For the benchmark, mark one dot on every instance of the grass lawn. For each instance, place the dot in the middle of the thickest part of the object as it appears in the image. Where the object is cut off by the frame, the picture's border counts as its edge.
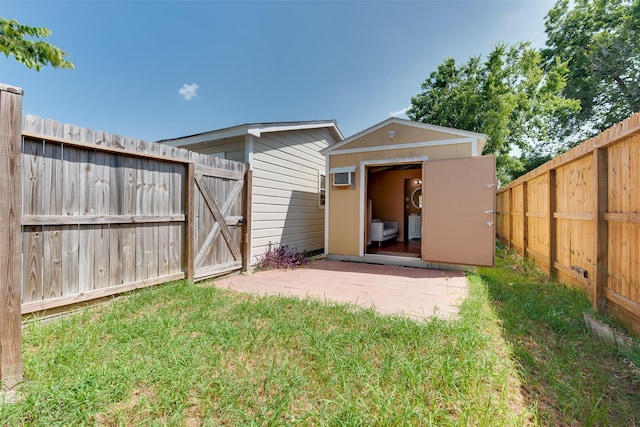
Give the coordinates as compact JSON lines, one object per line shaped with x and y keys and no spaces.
{"x":183,"y":354}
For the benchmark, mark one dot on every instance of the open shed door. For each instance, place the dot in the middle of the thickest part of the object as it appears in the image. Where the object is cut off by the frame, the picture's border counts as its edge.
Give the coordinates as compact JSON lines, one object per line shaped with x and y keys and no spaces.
{"x":458,"y":224}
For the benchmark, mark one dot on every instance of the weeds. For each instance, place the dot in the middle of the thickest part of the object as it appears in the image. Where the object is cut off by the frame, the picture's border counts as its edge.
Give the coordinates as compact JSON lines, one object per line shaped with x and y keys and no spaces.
{"x":280,"y":257}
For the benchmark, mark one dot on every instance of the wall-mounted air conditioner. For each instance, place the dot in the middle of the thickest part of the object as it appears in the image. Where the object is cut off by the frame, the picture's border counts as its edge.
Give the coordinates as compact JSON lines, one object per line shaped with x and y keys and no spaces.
{"x":343,"y":176}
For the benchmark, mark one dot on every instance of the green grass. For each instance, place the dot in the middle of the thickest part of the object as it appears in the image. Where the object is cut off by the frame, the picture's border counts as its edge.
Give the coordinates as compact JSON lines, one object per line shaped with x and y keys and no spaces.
{"x":569,"y":377}
{"x":183,"y":354}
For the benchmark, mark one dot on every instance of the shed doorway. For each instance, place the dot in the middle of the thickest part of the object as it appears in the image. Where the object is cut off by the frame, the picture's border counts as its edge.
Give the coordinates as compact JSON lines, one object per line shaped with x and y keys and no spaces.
{"x":393,"y":213}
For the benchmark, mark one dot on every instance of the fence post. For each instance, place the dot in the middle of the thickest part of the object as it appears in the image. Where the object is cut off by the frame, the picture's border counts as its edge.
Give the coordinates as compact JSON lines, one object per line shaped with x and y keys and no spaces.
{"x":510,"y":209}
{"x":246,"y":255}
{"x":600,"y":228}
{"x":552,"y":224}
{"x":525,"y":220}
{"x":11,"y":247}
{"x":190,"y":219}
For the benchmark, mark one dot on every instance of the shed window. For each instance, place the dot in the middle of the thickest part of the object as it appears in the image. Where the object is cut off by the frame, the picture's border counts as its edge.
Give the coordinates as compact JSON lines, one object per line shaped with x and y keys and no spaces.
{"x":322,"y":190}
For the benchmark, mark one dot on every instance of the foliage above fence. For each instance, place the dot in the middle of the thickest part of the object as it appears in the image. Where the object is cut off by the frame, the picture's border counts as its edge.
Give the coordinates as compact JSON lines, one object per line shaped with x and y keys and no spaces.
{"x":578,"y":217}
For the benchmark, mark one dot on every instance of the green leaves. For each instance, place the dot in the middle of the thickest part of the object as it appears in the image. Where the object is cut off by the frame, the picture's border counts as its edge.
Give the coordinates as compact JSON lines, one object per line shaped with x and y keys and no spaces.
{"x":509,"y":96}
{"x":543,"y":102}
{"x":599,"y":40}
{"x":15,"y":41}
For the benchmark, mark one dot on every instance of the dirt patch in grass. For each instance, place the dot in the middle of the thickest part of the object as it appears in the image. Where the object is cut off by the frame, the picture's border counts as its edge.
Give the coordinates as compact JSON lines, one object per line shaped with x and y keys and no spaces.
{"x":126,"y":411}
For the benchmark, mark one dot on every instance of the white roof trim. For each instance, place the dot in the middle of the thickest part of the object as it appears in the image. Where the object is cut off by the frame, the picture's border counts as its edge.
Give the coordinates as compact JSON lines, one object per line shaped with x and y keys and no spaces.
{"x":343,"y":169}
{"x":256,"y":130}
{"x":405,"y":122}
{"x":473,"y":142}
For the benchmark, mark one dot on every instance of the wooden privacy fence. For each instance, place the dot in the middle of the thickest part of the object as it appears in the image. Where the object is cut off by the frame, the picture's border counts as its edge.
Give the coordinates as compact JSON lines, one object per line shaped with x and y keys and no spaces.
{"x":578,"y":218}
{"x":87,"y":214}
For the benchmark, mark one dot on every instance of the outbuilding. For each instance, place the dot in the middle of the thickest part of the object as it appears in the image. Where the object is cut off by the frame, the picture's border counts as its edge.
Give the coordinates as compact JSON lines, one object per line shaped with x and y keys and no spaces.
{"x":288,"y":177}
{"x":411,"y":193}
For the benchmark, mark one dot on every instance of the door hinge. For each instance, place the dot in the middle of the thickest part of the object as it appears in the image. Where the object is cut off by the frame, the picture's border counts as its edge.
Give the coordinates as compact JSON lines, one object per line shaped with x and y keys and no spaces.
{"x":490,"y":211}
{"x":489,"y":223}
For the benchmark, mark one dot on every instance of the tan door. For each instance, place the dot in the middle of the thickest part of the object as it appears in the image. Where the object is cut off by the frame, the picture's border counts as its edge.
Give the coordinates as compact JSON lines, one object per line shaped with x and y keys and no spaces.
{"x":458,"y":224}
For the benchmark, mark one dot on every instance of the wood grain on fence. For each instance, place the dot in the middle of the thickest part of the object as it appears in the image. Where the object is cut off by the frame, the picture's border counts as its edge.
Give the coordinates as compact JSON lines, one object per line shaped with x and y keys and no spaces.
{"x":102,"y":214}
{"x":578,"y":218}
{"x":11,"y":249}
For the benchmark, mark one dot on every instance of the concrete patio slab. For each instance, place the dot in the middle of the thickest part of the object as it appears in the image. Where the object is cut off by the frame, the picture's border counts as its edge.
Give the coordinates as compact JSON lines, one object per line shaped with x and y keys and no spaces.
{"x":413,"y":292}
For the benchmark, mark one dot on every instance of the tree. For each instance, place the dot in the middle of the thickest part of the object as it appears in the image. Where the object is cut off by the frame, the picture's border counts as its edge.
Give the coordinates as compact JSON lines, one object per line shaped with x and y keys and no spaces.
{"x":509,"y":97}
{"x":15,"y":41}
{"x":599,"y":40}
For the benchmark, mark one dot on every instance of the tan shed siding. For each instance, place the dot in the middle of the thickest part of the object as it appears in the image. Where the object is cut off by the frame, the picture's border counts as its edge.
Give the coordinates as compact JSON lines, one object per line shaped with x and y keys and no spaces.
{"x":344,"y":205}
{"x":404,"y":134}
{"x":285,"y":189}
{"x":344,"y":226}
{"x":437,"y":152}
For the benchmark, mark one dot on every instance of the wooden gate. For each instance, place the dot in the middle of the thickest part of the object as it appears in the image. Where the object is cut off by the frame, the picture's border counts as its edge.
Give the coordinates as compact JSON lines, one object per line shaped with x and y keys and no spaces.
{"x":219,"y":212}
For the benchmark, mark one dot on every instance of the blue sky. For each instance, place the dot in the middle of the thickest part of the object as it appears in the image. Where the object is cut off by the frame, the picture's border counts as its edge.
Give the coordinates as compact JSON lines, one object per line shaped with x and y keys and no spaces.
{"x":163,"y":69}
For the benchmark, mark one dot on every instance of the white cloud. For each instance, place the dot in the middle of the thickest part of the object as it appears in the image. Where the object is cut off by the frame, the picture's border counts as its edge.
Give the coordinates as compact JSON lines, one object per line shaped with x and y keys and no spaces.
{"x":398,"y":113}
{"x":188,"y":91}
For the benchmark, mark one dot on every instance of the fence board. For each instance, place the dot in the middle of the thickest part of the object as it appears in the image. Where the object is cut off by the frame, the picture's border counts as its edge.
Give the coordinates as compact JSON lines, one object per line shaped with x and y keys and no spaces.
{"x":32,"y":264}
{"x":32,"y":171}
{"x":101,"y":257}
{"x":86,"y":270}
{"x":52,"y":179}
{"x":128,"y":249}
{"x":86,"y":200}
{"x":70,"y":181}
{"x":538,"y":240}
{"x":70,"y":260}
{"x":176,"y":206}
{"x":163,"y":204}
{"x":52,"y":263}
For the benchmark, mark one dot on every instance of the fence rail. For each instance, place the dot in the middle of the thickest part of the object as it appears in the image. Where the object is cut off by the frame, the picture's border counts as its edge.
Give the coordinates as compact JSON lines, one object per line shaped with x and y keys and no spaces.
{"x":578,"y":218}
{"x":87,"y":214}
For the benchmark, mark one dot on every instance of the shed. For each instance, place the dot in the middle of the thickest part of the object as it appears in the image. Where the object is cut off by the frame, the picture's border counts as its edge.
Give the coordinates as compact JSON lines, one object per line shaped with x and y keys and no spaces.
{"x":287,"y":192}
{"x":411,"y":193}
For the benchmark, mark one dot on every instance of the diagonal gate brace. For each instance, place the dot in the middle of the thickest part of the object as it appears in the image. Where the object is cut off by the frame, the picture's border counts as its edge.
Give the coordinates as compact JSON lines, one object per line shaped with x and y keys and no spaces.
{"x":219,"y":217}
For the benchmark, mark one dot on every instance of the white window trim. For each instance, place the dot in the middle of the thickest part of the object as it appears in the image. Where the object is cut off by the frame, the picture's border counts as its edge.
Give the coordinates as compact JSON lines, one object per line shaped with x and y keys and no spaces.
{"x":320,"y":189}
{"x":363,"y":190}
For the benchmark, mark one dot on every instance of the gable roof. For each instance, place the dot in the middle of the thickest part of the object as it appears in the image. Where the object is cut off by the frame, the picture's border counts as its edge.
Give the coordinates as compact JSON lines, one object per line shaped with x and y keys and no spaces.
{"x":255,"y":129}
{"x":481,"y":138}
